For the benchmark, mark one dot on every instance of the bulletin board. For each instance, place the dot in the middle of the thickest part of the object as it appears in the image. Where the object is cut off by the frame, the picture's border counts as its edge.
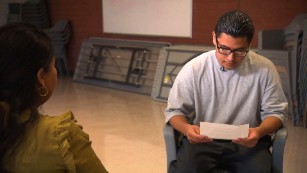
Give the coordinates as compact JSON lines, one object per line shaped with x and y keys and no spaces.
{"x":169,"y":18}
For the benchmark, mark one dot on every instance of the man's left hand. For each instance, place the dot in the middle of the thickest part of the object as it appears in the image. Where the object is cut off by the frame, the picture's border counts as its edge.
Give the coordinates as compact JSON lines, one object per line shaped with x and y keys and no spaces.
{"x":250,"y":141}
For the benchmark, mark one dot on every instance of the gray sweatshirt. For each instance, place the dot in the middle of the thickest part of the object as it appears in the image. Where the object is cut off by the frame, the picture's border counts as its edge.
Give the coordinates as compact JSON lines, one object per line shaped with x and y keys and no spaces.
{"x":245,"y":95}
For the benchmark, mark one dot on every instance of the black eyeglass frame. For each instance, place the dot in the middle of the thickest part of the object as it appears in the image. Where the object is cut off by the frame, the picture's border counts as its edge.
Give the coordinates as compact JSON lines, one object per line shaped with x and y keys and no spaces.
{"x":234,"y":51}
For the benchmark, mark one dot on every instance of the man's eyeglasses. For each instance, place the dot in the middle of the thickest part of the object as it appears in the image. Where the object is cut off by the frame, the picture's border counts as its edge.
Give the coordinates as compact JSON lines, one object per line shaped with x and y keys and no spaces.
{"x":227,"y":51}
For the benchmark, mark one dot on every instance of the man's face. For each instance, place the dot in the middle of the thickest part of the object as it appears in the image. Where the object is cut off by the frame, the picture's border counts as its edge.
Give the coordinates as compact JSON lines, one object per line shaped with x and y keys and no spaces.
{"x":230,"y":51}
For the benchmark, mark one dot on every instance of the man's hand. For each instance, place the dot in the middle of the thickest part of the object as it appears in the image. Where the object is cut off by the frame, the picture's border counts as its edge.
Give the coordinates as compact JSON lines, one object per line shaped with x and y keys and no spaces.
{"x":268,"y":126}
{"x":193,"y":134}
{"x":250,"y":141}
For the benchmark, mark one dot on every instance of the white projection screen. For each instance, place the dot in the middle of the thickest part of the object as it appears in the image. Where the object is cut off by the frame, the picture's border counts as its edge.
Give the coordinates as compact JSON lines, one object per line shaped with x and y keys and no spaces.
{"x":171,"y":18}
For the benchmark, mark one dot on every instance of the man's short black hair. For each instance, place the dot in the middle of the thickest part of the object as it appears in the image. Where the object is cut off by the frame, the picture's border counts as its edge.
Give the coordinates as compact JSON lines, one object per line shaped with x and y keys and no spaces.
{"x":235,"y":23}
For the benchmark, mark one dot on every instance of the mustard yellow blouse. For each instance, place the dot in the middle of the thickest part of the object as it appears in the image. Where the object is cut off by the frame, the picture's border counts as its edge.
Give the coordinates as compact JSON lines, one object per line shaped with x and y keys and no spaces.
{"x":56,"y":145}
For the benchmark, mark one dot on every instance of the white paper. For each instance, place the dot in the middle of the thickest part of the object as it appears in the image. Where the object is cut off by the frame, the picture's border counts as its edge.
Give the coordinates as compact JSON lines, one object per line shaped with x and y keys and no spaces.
{"x":223,"y":131}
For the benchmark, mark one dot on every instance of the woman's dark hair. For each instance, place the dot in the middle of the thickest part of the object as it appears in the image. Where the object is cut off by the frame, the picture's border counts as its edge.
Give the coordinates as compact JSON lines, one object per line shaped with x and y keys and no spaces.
{"x":24,"y":49}
{"x":235,"y":23}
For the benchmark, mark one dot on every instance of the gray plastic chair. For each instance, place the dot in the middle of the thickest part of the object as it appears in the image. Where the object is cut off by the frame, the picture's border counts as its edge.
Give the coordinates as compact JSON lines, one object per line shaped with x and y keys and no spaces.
{"x":289,"y":39}
{"x":171,"y":138}
{"x":60,"y":34}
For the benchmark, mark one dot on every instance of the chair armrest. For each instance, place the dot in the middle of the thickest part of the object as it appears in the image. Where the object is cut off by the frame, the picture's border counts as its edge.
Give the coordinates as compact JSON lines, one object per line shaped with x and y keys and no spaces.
{"x":278,"y":149}
{"x":170,"y":144}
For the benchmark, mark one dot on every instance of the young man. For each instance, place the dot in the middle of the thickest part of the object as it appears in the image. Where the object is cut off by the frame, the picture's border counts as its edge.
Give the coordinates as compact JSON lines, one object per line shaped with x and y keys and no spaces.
{"x":229,"y":85}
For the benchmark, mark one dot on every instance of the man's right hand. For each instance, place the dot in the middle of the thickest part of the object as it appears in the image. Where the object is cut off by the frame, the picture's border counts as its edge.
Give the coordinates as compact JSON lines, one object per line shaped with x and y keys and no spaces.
{"x":192,"y":132}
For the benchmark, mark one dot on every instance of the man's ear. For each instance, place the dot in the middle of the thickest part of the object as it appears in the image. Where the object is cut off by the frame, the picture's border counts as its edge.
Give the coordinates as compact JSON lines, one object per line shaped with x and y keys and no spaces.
{"x":213,"y":38}
{"x":41,"y":77}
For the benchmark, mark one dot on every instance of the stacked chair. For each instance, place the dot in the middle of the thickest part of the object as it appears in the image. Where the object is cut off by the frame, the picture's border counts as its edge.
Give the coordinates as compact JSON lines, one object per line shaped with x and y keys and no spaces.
{"x":287,"y":49}
{"x":31,"y":11}
{"x":302,"y":78}
{"x":13,"y":12}
{"x":60,"y":34}
{"x":36,"y":13}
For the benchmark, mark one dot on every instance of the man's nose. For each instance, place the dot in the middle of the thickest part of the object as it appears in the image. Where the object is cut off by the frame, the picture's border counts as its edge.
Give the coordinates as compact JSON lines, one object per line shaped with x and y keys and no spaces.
{"x":230,"y":57}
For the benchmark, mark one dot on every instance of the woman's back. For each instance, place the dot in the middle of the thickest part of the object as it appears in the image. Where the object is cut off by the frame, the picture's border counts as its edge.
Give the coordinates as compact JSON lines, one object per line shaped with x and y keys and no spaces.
{"x":55,"y":145}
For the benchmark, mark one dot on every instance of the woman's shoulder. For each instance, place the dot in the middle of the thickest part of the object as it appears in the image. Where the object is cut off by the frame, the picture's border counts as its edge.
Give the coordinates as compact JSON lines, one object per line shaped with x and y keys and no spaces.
{"x":58,"y":118}
{"x":60,"y":126}
{"x":47,"y":144}
{"x":71,"y":140}
{"x":62,"y":121}
{"x":60,"y":130}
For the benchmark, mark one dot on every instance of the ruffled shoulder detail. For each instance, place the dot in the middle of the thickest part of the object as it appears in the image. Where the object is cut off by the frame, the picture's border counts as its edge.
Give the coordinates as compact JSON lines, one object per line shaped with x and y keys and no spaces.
{"x":63,"y":137}
{"x":75,"y":147}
